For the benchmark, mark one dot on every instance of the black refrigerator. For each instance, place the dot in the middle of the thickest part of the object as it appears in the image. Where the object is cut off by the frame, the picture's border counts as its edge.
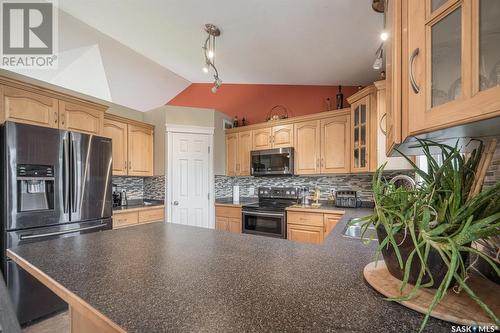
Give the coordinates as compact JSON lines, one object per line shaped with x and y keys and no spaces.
{"x":54,"y":184}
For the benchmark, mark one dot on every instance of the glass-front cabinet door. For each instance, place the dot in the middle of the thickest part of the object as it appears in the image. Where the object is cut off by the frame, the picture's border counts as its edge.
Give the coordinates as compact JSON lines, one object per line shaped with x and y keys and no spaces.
{"x":360,"y":136}
{"x":453,"y":62}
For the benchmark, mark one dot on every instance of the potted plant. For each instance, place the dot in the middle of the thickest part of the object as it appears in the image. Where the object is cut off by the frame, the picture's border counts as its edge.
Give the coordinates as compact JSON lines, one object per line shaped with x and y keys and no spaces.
{"x":425,"y":233}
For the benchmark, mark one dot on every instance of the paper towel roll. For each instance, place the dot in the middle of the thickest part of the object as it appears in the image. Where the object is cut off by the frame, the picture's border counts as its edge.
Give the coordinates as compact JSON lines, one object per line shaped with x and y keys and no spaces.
{"x":236,"y":194}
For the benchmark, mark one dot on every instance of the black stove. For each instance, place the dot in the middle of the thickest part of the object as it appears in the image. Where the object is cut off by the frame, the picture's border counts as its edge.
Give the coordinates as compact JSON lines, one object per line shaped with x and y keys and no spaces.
{"x":267,"y":217}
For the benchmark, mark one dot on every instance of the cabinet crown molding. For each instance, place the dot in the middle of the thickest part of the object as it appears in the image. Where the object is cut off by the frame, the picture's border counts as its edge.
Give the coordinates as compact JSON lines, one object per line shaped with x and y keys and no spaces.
{"x":292,"y":120}
{"x":7,"y":81}
{"x":362,"y":93}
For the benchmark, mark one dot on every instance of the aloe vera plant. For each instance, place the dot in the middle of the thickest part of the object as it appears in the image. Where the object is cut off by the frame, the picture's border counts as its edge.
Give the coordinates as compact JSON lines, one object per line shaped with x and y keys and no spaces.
{"x":438,"y":214}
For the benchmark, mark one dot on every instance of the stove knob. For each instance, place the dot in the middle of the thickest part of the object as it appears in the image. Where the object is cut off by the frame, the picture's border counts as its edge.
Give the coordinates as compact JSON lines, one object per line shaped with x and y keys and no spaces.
{"x":287,"y":192}
{"x":292,"y":193}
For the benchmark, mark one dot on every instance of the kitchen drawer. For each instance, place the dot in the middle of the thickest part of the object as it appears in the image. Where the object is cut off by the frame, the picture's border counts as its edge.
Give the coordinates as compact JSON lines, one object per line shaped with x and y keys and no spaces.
{"x":231,"y":212}
{"x":125,"y":219}
{"x":152,"y":215}
{"x":315,"y":219}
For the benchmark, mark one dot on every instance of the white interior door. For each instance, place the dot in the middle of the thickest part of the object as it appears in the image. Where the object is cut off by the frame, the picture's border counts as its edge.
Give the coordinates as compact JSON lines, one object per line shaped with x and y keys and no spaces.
{"x":190,"y":199}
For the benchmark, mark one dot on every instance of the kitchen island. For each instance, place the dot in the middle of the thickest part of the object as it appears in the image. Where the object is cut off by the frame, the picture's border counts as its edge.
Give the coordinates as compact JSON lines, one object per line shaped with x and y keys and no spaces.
{"x":167,"y":277}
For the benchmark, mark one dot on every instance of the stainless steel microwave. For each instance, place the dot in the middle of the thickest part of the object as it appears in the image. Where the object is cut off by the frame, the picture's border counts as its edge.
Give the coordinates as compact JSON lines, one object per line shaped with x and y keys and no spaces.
{"x":272,"y":162}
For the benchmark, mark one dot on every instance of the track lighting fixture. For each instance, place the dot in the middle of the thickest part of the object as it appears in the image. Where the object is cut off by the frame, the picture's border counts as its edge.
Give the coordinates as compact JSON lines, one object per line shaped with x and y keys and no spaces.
{"x":209,"y":53}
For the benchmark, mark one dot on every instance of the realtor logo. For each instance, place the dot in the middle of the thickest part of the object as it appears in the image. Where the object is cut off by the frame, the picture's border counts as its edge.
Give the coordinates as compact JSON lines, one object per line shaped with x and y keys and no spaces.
{"x":29,"y":34}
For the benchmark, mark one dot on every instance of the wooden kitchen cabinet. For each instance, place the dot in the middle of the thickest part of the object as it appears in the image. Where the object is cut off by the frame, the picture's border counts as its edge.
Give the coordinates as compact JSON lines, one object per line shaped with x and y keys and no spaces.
{"x":244,"y":150}
{"x":117,"y":131}
{"x":231,"y":154}
{"x":29,"y":104}
{"x":311,"y":227}
{"x":140,"y":150}
{"x":335,"y":144}
{"x":132,"y":146}
{"x":135,"y":216}
{"x":282,"y":136}
{"x":443,"y":66}
{"x":305,"y":233}
{"x":238,"y":149}
{"x":363,"y":130}
{"x":396,"y":67}
{"x":80,"y":118}
{"x":262,"y":138}
{"x":307,"y":147}
{"x":322,"y":146}
{"x":228,"y":218}
{"x":29,"y":108}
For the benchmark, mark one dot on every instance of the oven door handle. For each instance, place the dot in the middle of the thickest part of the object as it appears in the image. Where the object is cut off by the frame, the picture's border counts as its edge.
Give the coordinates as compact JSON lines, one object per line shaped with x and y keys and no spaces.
{"x":263,"y":214}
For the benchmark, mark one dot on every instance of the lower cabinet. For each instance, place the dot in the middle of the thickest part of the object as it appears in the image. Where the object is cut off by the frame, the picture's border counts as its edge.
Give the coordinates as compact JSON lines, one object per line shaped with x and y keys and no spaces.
{"x":228,"y":218}
{"x":131,"y":217}
{"x":312,"y":228}
{"x":305,"y":233}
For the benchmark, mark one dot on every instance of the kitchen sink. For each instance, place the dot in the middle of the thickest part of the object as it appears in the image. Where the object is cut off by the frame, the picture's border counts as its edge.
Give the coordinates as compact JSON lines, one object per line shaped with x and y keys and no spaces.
{"x":353,"y":230}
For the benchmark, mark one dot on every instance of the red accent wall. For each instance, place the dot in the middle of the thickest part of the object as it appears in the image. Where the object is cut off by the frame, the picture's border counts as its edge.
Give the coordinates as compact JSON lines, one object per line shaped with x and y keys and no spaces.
{"x":253,"y":101}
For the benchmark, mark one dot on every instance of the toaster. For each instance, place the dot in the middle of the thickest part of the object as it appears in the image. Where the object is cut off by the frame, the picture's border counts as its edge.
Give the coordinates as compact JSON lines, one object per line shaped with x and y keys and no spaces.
{"x":347,"y":199}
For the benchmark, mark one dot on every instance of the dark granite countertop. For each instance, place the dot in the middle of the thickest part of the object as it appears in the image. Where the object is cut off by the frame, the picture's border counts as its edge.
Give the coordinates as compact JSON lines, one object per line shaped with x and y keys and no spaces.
{"x":139,"y":203}
{"x":179,"y":278}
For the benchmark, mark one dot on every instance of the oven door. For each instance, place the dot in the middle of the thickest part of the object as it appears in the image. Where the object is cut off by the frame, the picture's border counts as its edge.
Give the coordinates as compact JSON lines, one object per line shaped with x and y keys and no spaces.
{"x":272,"y":224}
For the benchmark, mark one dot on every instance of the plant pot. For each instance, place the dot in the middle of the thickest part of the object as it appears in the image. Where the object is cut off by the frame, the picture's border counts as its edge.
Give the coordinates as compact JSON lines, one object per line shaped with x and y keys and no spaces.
{"x":486,"y":270}
{"x":435,"y":263}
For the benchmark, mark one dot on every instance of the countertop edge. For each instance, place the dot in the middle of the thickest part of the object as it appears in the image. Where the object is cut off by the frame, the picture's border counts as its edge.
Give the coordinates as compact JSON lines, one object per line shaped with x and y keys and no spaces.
{"x":73,"y":300}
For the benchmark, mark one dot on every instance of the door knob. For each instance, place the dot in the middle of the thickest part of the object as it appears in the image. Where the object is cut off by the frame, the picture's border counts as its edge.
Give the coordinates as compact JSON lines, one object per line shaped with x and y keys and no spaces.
{"x":176,"y":203}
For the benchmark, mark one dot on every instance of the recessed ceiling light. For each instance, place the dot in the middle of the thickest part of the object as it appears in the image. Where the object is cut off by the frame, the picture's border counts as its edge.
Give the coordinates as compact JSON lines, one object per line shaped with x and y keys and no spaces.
{"x":384,"y":35}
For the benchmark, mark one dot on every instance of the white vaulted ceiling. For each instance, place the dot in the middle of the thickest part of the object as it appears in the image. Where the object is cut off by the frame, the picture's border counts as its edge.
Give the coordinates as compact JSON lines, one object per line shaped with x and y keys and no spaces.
{"x":263,"y":41}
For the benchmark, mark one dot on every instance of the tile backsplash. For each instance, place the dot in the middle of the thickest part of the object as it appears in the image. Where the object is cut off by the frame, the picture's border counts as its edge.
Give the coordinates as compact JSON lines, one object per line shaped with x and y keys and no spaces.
{"x":141,"y":187}
{"x":361,"y":183}
{"x":154,"y":187}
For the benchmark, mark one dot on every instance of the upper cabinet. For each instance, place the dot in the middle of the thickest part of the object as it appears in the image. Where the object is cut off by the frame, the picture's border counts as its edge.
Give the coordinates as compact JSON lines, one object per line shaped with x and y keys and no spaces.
{"x":29,"y":104}
{"x":29,"y":108}
{"x":443,"y":65}
{"x":140,"y":150}
{"x":322,"y":146}
{"x":244,"y":151}
{"x":280,"y":136}
{"x":307,"y":147}
{"x":78,"y":117}
{"x":364,"y":130}
{"x":262,"y":138}
{"x":132,"y":146}
{"x":118,"y":132}
{"x":335,"y":144}
{"x":238,"y":149}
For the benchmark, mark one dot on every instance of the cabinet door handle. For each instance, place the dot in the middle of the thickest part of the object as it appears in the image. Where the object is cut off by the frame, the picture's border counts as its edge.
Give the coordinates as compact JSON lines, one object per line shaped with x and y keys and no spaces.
{"x":130,"y":164}
{"x":55,"y":117}
{"x":125,"y":165}
{"x":322,"y":162}
{"x":380,"y":124}
{"x":414,"y":84}
{"x":317,"y":163}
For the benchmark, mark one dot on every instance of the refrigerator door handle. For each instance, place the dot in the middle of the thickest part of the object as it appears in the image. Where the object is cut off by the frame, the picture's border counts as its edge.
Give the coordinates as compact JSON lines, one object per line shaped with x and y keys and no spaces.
{"x":66,"y":178}
{"x":57,"y":233}
{"x":73,"y":177}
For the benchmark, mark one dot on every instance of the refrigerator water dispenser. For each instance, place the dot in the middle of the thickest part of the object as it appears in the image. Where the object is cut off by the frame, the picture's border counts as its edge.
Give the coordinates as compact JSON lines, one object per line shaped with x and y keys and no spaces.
{"x":35,"y":187}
